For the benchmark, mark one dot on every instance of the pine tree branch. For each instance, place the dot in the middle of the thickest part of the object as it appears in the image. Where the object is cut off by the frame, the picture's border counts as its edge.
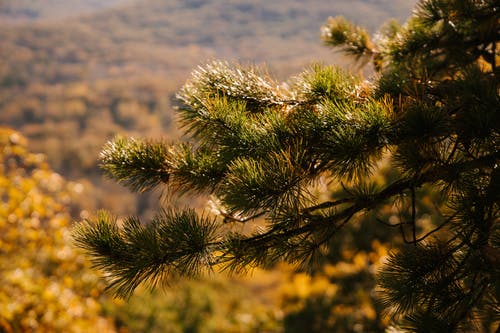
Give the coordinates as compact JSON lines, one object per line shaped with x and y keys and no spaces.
{"x":421,"y":238}
{"x":231,"y":218}
{"x":436,"y":174}
{"x":140,"y":165}
{"x":413,"y":215}
{"x":326,"y":205}
{"x":353,"y":40}
{"x":313,"y":224}
{"x":260,"y":145}
{"x":250,"y":85}
{"x":448,"y":220}
{"x":174,"y":243}
{"x":395,"y":225}
{"x":433,"y":175}
{"x":474,"y":294}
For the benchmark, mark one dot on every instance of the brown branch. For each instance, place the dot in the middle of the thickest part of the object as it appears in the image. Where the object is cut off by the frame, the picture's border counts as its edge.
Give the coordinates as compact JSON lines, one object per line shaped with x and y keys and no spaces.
{"x":413,"y":214}
{"x":433,"y":175}
{"x":388,"y":224}
{"x":403,"y":235}
{"x":230,"y":218}
{"x":327,"y":204}
{"x":448,"y":220}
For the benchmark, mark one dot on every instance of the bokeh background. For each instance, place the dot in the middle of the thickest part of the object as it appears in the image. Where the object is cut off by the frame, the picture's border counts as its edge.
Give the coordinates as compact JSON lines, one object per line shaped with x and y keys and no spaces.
{"x":75,"y":73}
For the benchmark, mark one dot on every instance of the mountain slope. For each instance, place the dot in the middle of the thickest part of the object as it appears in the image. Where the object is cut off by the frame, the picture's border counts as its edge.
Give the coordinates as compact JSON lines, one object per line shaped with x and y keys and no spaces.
{"x":70,"y":84}
{"x":21,"y":11}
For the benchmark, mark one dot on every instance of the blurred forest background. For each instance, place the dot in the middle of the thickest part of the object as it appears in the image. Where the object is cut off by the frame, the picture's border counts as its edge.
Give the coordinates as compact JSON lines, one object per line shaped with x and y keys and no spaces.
{"x":73,"y":74}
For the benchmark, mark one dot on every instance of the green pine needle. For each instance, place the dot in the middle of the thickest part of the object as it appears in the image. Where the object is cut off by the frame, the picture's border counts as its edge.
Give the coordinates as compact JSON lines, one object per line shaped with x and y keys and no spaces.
{"x":139,"y":165}
{"x":174,"y":243}
{"x":353,"y":40}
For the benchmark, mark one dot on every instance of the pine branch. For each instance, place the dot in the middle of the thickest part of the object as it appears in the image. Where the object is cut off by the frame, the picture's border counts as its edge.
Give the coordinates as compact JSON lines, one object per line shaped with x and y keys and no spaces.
{"x":250,"y":85}
{"x":353,"y":40}
{"x":260,"y":145}
{"x":198,"y":170}
{"x":326,"y":223}
{"x":180,"y":243}
{"x":328,"y":204}
{"x":140,"y":165}
{"x":318,"y":83}
{"x":231,"y":218}
{"x":173,"y":244}
{"x":252,"y":185}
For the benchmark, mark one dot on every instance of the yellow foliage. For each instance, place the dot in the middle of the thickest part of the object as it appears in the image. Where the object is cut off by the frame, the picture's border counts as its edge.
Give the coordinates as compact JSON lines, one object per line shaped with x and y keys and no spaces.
{"x":40,"y":273}
{"x":340,"y":296}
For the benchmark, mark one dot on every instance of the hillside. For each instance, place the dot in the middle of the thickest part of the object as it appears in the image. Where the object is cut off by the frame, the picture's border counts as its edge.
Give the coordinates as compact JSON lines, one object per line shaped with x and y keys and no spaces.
{"x":154,"y":36}
{"x":22,"y":11}
{"x":73,"y":74}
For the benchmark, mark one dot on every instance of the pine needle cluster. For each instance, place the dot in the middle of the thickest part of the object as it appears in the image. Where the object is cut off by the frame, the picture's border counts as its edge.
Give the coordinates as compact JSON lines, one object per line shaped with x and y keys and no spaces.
{"x":259,"y":147}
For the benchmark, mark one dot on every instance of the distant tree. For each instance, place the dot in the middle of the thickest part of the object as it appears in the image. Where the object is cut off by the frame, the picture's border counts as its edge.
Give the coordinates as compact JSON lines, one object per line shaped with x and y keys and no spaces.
{"x":259,"y":148}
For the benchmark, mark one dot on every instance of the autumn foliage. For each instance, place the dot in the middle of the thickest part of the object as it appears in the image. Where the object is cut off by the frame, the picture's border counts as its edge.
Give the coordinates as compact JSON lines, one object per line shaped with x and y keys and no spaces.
{"x":46,"y":284}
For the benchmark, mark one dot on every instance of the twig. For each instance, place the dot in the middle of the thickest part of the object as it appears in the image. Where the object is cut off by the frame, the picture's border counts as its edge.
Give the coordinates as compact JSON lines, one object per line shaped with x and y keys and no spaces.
{"x":413,"y":214}
{"x":327,"y":204}
{"x":230,"y":218}
{"x":388,"y":224}
{"x":437,"y":228}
